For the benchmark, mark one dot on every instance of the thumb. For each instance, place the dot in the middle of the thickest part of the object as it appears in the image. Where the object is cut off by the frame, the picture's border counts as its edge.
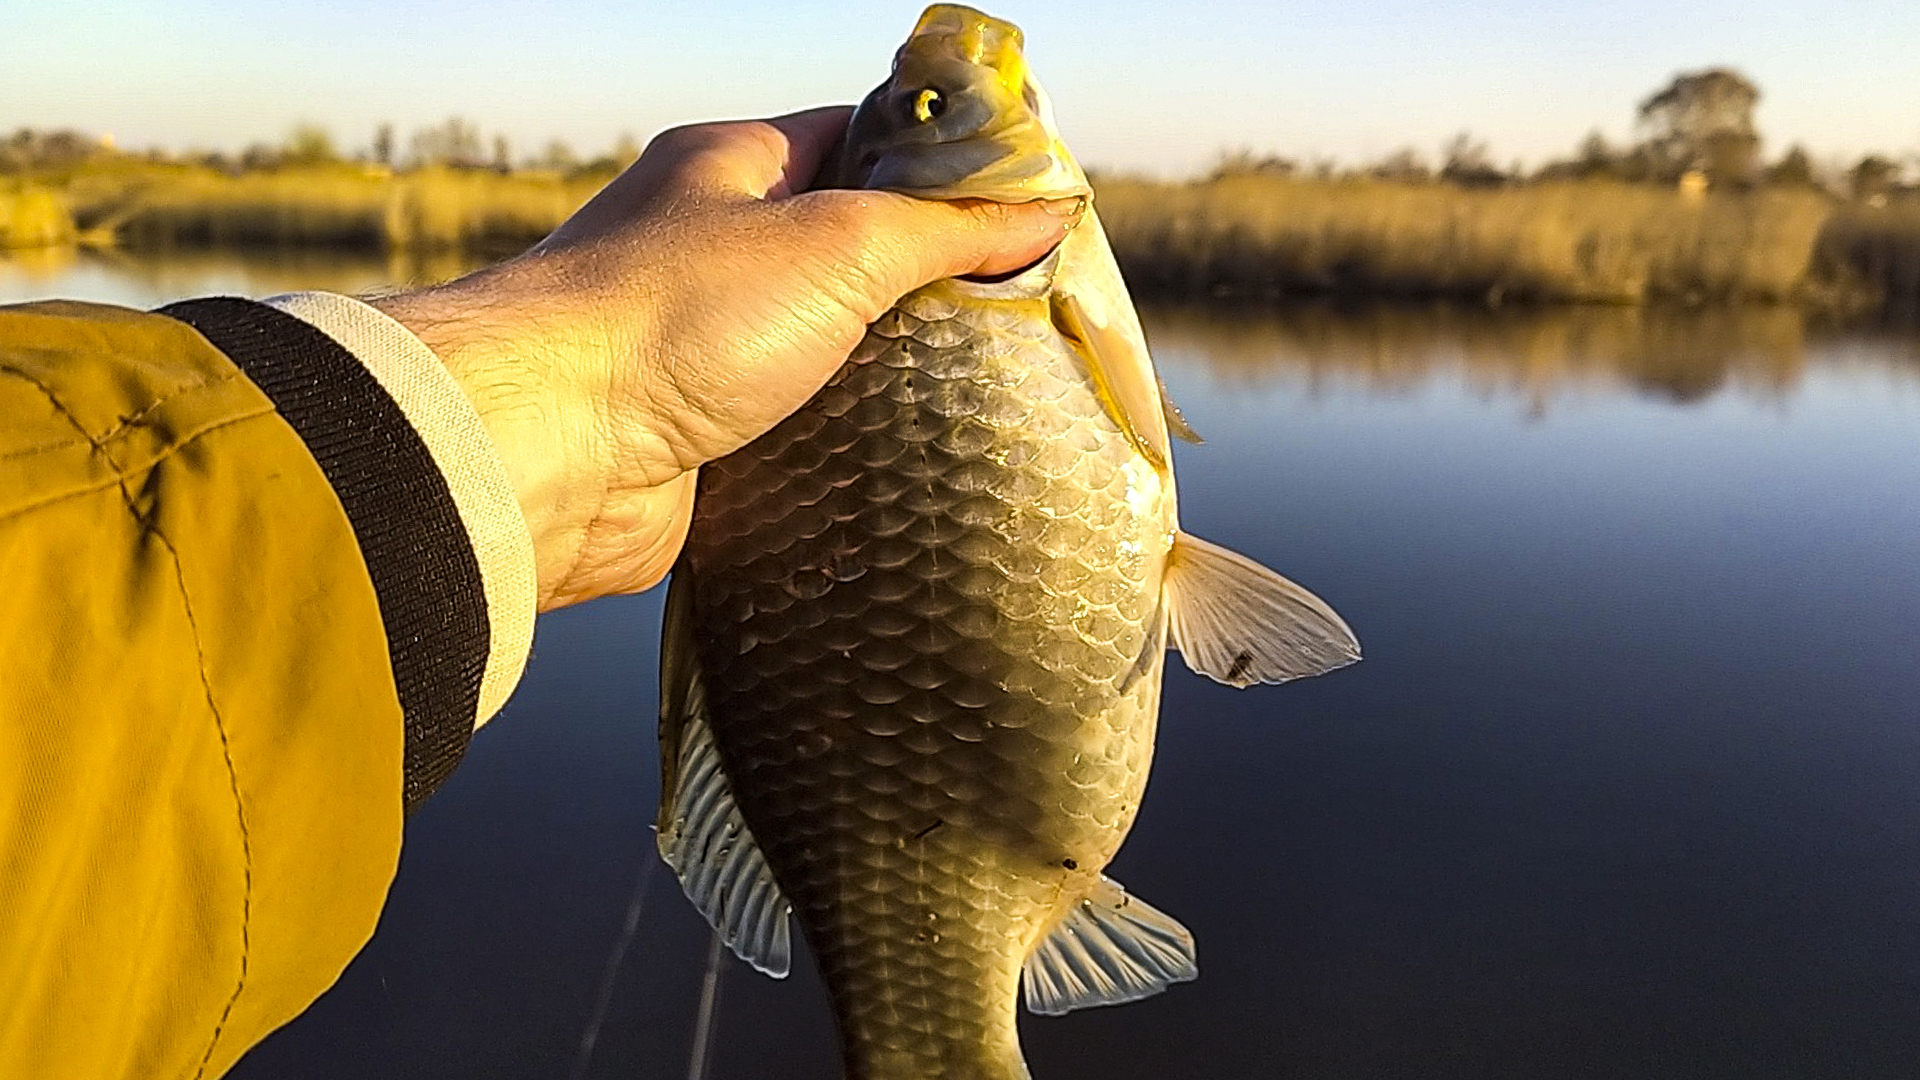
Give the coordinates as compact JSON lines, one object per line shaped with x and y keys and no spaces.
{"x":974,"y":236}
{"x":903,"y":243}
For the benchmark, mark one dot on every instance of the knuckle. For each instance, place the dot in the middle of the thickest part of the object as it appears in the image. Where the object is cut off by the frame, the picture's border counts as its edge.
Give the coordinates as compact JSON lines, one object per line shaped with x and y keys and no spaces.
{"x":689,"y":150}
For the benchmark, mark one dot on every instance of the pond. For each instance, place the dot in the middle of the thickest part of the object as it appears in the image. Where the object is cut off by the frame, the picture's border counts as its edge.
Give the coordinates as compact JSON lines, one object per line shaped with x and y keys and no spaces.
{"x":1628,"y":783}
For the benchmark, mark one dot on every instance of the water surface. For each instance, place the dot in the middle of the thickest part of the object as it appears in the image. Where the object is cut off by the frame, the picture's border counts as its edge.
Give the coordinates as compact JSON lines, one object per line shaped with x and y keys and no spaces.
{"x":1628,"y":784}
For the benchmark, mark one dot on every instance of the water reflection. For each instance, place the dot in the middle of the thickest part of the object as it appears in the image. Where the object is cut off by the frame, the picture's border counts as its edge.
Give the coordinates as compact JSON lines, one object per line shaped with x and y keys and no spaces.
{"x":147,"y":279}
{"x":1628,"y":785}
{"x":1538,"y":356}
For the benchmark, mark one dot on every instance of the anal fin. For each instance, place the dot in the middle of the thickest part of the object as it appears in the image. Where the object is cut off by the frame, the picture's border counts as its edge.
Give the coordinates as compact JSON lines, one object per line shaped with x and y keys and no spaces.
{"x":1111,"y":948}
{"x":1239,"y":623}
{"x":702,"y":833}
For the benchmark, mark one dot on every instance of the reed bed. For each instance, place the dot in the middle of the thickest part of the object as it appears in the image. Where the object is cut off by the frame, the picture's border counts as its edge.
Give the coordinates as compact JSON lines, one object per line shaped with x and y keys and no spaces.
{"x":1246,"y":234}
{"x":1875,"y":250}
{"x":33,"y":217}
{"x":1255,"y":234}
{"x":340,"y":207}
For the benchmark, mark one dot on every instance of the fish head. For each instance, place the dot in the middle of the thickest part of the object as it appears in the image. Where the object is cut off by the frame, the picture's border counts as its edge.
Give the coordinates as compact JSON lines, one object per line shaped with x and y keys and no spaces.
{"x":960,"y":117}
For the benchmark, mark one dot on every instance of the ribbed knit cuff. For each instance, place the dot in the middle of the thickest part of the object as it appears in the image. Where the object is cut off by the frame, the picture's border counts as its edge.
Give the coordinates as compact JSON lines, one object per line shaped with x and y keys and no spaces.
{"x":444,"y":418}
{"x":415,"y":545}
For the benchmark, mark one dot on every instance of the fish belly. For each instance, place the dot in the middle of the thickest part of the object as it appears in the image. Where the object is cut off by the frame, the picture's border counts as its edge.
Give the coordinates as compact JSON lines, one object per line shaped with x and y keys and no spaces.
{"x":927,"y":610}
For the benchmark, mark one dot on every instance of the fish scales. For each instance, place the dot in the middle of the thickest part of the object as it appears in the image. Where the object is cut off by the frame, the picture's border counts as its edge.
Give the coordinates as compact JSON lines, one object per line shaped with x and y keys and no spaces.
{"x":913,"y":647}
{"x":898,"y":696}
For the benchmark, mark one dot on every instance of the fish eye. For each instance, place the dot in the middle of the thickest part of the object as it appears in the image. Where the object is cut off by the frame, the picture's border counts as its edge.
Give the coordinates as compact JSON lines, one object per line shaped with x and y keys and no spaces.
{"x":928,"y":104}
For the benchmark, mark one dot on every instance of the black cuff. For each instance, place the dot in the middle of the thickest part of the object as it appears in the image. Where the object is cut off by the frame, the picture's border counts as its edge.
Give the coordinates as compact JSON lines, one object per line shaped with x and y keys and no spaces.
{"x":416,"y":548}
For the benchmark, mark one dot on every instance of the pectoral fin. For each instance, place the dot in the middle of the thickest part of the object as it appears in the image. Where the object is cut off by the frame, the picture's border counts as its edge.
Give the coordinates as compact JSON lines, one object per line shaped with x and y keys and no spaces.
{"x":701,"y":832}
{"x":1239,"y":623}
{"x":1176,"y":420}
{"x":1121,"y":371}
{"x":1110,"y":948}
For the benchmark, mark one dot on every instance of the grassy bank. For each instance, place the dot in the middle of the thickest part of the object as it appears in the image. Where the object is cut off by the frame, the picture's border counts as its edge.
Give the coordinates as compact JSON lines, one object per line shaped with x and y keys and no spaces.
{"x":342,"y":206}
{"x":1875,"y":250}
{"x":1256,"y":234}
{"x":1247,"y":234}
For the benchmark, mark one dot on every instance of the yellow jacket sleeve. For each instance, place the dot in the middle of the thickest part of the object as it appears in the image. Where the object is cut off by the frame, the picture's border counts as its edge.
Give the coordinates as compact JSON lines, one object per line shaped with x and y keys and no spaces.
{"x":230,"y":655}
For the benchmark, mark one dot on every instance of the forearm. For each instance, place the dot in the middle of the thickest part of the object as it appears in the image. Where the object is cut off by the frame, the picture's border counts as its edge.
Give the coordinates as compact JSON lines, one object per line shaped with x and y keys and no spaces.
{"x":244,"y":624}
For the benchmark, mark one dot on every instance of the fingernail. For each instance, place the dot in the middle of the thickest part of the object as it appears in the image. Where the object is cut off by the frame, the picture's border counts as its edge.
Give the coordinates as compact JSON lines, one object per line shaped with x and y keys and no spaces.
{"x":1067,"y":208}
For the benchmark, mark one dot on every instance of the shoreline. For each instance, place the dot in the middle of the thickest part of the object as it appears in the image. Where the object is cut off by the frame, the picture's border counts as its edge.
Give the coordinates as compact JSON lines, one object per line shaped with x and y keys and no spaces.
{"x":1236,"y":238}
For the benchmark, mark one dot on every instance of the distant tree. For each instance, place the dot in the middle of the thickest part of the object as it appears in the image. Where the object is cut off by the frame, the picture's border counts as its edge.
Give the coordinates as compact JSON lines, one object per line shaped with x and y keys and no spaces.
{"x":1404,"y":166}
{"x":1467,"y":162}
{"x":1596,"y":157}
{"x":1702,"y":120}
{"x":625,"y":149}
{"x":383,"y":144}
{"x":1794,"y":169}
{"x":1873,"y":176}
{"x":1244,"y":162}
{"x":558,"y":155}
{"x":502,"y":155}
{"x":27,"y":150}
{"x":212,"y":159}
{"x":260,"y":156}
{"x":455,"y":142}
{"x":310,"y":144}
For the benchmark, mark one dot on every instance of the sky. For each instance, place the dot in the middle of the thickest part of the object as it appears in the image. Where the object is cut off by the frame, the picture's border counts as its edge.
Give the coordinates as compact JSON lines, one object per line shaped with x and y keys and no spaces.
{"x":1156,"y":87}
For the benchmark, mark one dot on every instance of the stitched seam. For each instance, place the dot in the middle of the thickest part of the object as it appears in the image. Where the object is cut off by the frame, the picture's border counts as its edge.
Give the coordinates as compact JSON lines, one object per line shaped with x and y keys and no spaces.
{"x":29,"y":451}
{"x":120,"y":477}
{"x":126,"y":423}
{"x":220,"y":728}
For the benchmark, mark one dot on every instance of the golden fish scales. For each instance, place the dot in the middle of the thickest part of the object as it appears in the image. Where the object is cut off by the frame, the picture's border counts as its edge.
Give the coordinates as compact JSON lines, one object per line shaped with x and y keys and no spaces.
{"x":914,"y":644}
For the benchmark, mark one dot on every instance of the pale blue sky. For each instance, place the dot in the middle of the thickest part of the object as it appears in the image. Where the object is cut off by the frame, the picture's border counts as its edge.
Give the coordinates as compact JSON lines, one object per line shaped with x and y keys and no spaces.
{"x":1138,"y":85}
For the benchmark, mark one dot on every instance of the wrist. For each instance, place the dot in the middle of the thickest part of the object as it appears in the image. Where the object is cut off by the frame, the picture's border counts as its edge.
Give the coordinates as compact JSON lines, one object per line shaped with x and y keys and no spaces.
{"x":506,"y":335}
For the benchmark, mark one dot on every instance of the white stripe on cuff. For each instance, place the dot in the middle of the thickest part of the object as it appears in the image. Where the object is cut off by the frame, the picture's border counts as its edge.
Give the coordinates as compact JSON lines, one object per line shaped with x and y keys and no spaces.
{"x":452,"y":431}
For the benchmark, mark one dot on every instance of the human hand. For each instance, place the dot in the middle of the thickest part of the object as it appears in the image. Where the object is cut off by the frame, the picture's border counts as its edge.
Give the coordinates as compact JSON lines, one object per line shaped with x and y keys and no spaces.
{"x":693,"y":304}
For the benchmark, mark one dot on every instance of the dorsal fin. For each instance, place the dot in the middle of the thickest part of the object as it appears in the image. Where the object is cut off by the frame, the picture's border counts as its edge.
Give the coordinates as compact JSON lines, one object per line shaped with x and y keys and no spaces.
{"x":1111,"y":948}
{"x":702,"y":834}
{"x":1239,"y":623}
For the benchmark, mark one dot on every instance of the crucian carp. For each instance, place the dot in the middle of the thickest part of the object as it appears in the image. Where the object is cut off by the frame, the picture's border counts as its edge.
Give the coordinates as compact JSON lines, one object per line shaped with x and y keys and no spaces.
{"x":913,"y":646}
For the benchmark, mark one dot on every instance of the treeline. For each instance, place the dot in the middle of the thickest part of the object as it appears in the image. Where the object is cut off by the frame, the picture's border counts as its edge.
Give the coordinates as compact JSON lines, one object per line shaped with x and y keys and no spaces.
{"x":455,"y":143}
{"x":1697,"y":132}
{"x":447,"y":188}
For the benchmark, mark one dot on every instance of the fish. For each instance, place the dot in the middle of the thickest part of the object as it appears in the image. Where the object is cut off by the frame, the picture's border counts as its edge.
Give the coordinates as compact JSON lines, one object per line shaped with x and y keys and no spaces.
{"x":913,"y":646}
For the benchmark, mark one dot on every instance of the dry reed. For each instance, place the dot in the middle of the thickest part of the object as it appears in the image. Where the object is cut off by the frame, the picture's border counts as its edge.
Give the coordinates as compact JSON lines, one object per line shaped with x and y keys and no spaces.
{"x":1875,"y":250}
{"x":1274,"y":235}
{"x":335,"y":207}
{"x":1251,"y":234}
